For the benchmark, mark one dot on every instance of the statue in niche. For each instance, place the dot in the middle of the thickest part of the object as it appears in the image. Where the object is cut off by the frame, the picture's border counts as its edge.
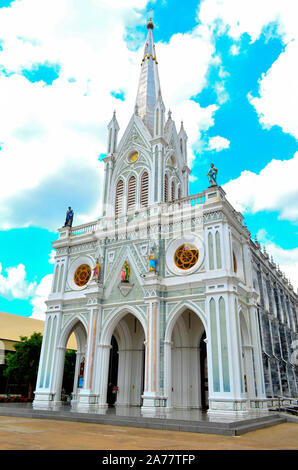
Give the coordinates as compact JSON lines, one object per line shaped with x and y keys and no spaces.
{"x":96,"y":271}
{"x":125,"y":272}
{"x":152,"y":262}
{"x":69,"y":217}
{"x":212,"y":173}
{"x":81,"y":374}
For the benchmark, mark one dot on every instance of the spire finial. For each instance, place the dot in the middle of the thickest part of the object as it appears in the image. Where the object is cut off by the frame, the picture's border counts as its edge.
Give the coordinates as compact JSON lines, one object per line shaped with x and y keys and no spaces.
{"x":150,"y":24}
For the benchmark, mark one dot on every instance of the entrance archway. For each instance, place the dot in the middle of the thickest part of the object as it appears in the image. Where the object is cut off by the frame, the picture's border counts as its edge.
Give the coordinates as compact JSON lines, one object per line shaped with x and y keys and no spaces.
{"x":71,"y":370}
{"x":113,"y":372}
{"x":247,"y":359}
{"x":186,"y":382}
{"x":204,"y":372}
{"x":126,"y":371}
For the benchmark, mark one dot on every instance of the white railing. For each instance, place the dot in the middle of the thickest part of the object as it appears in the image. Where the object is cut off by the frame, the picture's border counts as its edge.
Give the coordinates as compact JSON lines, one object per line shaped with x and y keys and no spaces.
{"x":190,"y":201}
{"x":83,"y":229}
{"x":178,"y":204}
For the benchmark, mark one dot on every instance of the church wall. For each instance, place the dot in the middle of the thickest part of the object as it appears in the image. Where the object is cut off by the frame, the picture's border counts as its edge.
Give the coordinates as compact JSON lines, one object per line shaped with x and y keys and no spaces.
{"x":278,"y":328}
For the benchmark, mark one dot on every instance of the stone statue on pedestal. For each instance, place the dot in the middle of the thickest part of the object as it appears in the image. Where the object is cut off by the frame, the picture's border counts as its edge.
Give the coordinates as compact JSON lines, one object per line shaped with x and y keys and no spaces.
{"x":69,"y":217}
{"x":212,"y":175}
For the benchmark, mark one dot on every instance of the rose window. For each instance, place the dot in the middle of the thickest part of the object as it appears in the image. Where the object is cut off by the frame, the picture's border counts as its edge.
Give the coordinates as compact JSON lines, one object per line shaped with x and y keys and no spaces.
{"x":82,"y":275}
{"x":186,"y":256}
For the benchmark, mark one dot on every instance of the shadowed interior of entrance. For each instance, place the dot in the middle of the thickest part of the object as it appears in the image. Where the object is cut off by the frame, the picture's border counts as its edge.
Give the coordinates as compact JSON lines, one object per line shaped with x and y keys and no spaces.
{"x":125,"y":384}
{"x":189,"y":363}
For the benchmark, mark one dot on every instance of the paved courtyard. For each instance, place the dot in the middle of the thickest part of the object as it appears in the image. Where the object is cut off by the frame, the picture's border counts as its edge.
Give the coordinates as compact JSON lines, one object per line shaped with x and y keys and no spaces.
{"x":41,"y":434}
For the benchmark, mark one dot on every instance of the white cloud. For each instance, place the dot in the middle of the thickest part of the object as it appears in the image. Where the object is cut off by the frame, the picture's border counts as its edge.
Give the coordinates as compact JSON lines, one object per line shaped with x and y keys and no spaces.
{"x":274,"y":189}
{"x":250,"y":16}
{"x":52,"y":257}
{"x":51,"y":134}
{"x":218,"y":143}
{"x":286,"y":259}
{"x":234,"y":49}
{"x":40,"y":296}
{"x":14,"y":285}
{"x":278,"y":95}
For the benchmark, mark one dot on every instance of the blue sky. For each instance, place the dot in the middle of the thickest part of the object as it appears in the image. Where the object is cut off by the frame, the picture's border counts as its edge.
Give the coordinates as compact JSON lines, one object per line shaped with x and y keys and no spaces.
{"x":228,"y":70}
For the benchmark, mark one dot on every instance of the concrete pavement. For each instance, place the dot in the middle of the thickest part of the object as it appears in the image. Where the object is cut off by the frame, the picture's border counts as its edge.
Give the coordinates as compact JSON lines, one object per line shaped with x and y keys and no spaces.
{"x":41,"y":434}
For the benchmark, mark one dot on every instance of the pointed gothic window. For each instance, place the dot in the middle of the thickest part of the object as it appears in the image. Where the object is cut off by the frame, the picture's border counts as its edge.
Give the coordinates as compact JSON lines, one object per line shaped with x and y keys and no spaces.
{"x":119,"y":198}
{"x":181,"y":146}
{"x":131,"y":193}
{"x":166,"y":189}
{"x":173,"y":192}
{"x":179,"y":193}
{"x":144,"y":194}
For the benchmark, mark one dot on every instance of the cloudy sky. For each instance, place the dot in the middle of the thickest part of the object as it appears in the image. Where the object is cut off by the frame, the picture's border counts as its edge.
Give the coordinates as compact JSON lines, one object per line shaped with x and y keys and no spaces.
{"x":228,"y":68}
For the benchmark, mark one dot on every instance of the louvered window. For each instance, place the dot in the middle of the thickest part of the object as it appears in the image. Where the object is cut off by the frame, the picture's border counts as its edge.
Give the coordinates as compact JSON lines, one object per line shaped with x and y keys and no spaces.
{"x":144,"y":189}
{"x":179,"y":193}
{"x":173,"y":191}
{"x":131,"y":193}
{"x":166,"y":189}
{"x":119,"y":198}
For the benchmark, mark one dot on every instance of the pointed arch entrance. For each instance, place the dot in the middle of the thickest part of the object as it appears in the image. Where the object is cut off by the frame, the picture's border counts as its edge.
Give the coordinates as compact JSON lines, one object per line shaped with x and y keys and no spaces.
{"x":186,"y":375}
{"x":78,"y":329}
{"x":247,"y":357}
{"x":124,"y":368}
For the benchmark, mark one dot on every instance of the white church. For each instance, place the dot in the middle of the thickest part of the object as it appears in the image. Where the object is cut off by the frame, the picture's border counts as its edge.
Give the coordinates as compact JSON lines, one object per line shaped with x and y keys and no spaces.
{"x":172,"y":304}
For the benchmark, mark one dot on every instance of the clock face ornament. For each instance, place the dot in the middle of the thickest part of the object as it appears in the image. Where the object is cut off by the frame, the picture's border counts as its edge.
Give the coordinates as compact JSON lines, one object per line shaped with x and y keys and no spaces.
{"x":133,"y":157}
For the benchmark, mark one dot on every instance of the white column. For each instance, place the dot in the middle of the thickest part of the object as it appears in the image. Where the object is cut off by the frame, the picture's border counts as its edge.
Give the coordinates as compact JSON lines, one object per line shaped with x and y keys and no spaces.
{"x":152,"y":356}
{"x":103,"y":372}
{"x":59,"y":369}
{"x":168,"y":372}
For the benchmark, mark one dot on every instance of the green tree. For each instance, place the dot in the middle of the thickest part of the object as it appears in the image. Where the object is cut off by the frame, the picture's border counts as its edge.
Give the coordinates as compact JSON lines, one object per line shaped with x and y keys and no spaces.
{"x":22,"y":366}
{"x":69,"y":369}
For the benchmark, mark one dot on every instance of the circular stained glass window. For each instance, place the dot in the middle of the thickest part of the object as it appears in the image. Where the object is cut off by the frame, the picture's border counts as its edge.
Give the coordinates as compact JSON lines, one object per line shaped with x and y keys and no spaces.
{"x":82,"y":275}
{"x":186,"y":256}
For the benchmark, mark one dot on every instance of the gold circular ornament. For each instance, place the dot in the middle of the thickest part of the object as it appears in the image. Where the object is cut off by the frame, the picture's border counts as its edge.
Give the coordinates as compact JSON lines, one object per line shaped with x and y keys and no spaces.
{"x":133,"y":157}
{"x":186,"y":256}
{"x":82,"y":275}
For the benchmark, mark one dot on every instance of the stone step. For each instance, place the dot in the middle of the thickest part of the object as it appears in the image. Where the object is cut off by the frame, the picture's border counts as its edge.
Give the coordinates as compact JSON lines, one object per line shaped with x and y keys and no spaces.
{"x":232,"y":428}
{"x":248,"y":427}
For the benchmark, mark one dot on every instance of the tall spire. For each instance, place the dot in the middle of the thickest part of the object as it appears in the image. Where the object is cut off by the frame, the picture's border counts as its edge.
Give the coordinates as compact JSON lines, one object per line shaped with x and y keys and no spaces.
{"x":149,"y":87}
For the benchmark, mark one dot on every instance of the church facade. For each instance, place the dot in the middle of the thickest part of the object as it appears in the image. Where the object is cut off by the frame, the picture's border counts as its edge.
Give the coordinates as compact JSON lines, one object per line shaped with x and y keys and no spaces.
{"x":172,"y":304}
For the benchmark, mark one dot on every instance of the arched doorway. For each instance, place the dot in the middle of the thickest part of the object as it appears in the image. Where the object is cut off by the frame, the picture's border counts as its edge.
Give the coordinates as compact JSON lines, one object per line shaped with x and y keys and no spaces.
{"x":204,"y":372}
{"x":247,"y":359}
{"x":126,"y":363}
{"x":113,"y":372}
{"x":186,"y":381}
{"x":71,"y":363}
